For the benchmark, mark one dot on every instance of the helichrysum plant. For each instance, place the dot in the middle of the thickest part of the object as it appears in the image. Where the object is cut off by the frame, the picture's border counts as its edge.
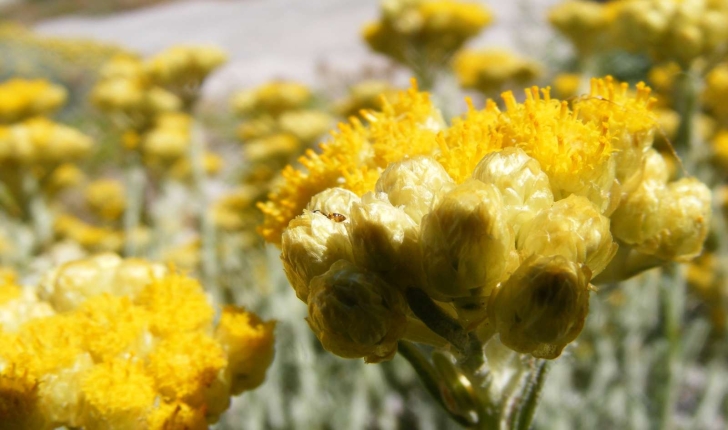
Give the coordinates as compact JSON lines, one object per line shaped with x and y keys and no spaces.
{"x":482,"y":238}
{"x":424,"y":34}
{"x":123,"y":344}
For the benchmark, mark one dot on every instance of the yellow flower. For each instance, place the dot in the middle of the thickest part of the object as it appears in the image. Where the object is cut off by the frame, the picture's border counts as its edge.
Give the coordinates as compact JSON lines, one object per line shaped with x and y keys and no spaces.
{"x":41,"y":141}
{"x":584,"y":23}
{"x":106,"y":198}
{"x":249,"y":347}
{"x":419,"y":32}
{"x":490,"y":70}
{"x":137,"y":349}
{"x":673,"y":30}
{"x":355,"y":157}
{"x":117,"y":392}
{"x":184,"y":65}
{"x":505,"y":215}
{"x":21,"y":99}
{"x":272,"y":98}
{"x":366,"y":95}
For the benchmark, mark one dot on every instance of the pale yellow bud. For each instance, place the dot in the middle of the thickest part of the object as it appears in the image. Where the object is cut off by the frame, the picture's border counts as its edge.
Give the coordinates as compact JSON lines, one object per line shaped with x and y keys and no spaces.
{"x":305,"y":125}
{"x":542,"y":306}
{"x":572,"y":228}
{"x":415,"y":184}
{"x":309,"y":246}
{"x":356,"y":314}
{"x":70,"y":284}
{"x":333,"y":201}
{"x":524,"y":186}
{"x":384,"y":239}
{"x":466,"y":242}
{"x":667,"y":221}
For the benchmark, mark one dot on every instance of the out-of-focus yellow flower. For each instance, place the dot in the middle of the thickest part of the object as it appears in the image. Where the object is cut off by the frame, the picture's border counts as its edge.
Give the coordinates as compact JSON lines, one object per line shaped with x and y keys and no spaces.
{"x":181,"y":169}
{"x":566,"y":85}
{"x":233,"y":211}
{"x":184,"y":65}
{"x":272,"y":98}
{"x":305,"y":125}
{"x":706,"y":277}
{"x":41,"y":141}
{"x":419,"y":32}
{"x":586,"y":24}
{"x":720,"y":149}
{"x":106,"y":198}
{"x":274,"y":147}
{"x":542,"y":307}
{"x":65,"y":176}
{"x":87,"y":235}
{"x":256,"y":128}
{"x":673,"y":30}
{"x":21,"y":99}
{"x":490,"y":70}
{"x":137,"y":348}
{"x":662,"y":78}
{"x":715,"y":94}
{"x":169,"y":140}
{"x":366,"y":95}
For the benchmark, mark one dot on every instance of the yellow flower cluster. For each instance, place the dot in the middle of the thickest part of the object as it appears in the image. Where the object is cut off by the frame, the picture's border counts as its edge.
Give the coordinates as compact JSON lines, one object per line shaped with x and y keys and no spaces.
{"x":271,"y":99}
{"x":673,"y":30}
{"x":586,"y":24}
{"x":83,"y":53}
{"x":21,"y":99}
{"x":490,"y":70}
{"x":40,"y":141}
{"x":181,"y":66}
{"x":415,"y":32}
{"x":715,"y":95}
{"x":366,"y":95}
{"x":278,"y":123}
{"x":123,"y":344}
{"x":126,"y":92}
{"x":504,"y":217}
{"x":106,"y":198}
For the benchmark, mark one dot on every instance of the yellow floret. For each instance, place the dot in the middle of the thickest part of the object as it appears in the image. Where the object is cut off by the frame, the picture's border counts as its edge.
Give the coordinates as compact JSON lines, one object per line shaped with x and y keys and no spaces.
{"x":177,"y":305}
{"x":117,"y":394}
{"x":185,"y":365}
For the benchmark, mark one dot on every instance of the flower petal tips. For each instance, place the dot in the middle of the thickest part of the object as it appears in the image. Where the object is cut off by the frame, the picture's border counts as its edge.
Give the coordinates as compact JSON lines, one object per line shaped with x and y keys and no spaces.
{"x":356,"y":314}
{"x":542,"y":307}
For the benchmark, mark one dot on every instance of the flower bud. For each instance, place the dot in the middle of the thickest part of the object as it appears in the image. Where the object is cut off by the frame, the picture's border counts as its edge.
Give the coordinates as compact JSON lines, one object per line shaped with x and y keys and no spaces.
{"x":524,"y":186}
{"x":309,"y":246}
{"x":72,"y":283}
{"x":466,"y":242}
{"x":542,"y":306}
{"x":356,"y":314}
{"x":667,"y":221}
{"x":333,"y":201}
{"x":384,"y":239}
{"x":572,"y":228}
{"x":415,"y":184}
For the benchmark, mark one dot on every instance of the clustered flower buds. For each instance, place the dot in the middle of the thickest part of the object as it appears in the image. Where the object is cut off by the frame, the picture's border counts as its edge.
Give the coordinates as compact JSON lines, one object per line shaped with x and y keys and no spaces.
{"x":491,"y":70}
{"x":416,"y":31}
{"x":673,"y":30}
{"x":502,"y":219}
{"x":112,"y":343}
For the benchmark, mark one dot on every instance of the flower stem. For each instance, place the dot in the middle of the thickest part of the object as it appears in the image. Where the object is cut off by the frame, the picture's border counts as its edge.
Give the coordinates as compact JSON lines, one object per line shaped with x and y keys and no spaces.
{"x":531,"y":395}
{"x":436,"y":319}
{"x":428,"y":375}
{"x":40,"y":216}
{"x":134,"y":178}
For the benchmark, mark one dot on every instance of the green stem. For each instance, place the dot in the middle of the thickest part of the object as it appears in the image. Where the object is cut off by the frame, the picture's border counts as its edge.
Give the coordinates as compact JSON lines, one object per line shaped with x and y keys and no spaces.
{"x":436,"y":319}
{"x":40,"y":216}
{"x":673,"y":296}
{"x":531,"y":395}
{"x":134,"y":178}
{"x":428,"y":375}
{"x":687,"y":142}
{"x":207,"y":226}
